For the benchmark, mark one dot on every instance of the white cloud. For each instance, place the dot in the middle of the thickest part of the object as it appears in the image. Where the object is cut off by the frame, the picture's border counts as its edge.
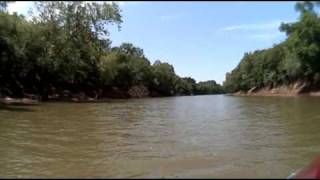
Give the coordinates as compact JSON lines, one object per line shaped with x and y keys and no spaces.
{"x":268,"y":31}
{"x":262,"y":26}
{"x":21,"y":7}
{"x":266,"y":36}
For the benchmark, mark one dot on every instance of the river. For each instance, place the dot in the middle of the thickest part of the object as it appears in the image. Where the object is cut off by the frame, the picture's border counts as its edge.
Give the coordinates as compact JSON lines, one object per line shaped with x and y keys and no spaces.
{"x":211,"y":136}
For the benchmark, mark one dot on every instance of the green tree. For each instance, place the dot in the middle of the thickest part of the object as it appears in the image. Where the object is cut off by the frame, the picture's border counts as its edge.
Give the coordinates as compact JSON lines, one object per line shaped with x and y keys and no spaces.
{"x":297,"y":58}
{"x":164,"y":78}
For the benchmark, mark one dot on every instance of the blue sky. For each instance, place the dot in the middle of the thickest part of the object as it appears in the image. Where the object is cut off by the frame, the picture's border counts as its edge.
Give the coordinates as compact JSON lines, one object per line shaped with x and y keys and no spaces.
{"x":204,"y":40}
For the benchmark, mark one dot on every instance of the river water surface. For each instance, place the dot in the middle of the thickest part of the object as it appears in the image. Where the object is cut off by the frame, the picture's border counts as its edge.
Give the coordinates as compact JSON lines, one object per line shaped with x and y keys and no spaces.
{"x":215,"y":136}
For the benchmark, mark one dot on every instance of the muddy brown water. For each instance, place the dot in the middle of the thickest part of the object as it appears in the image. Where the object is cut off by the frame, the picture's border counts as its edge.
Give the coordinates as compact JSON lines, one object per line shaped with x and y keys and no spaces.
{"x":215,"y":136}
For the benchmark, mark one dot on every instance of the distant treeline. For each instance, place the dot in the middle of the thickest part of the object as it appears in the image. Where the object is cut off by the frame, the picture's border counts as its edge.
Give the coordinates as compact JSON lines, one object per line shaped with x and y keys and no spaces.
{"x":63,"y":48}
{"x":295,"y":59}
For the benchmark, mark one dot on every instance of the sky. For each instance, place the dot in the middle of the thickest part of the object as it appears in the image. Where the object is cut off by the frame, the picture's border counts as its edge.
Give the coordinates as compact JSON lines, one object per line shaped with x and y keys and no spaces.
{"x":202,"y":40}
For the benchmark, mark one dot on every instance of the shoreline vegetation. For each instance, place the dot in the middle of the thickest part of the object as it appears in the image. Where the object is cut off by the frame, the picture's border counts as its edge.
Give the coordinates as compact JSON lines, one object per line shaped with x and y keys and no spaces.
{"x":290,"y":68}
{"x":295,"y":89}
{"x":62,"y":52}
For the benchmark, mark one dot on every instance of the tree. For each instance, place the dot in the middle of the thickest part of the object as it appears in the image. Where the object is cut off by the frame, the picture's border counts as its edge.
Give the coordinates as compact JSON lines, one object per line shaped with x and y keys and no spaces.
{"x":65,"y":50}
{"x":164,"y":77}
{"x":81,"y":28}
{"x":297,"y":58}
{"x":130,"y":50}
{"x":208,"y":87}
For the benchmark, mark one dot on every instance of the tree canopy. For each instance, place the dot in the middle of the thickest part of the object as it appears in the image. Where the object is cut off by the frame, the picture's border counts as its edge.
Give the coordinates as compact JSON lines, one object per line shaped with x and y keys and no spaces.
{"x":66,"y":48}
{"x":297,"y":58}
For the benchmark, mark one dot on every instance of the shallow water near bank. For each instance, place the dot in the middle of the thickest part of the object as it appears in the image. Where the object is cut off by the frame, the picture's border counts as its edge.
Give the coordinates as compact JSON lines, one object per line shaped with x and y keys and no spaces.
{"x":214,"y":136}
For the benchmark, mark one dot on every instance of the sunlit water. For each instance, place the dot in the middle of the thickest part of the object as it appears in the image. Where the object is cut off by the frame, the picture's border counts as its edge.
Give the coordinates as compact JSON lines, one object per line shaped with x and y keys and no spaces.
{"x":193,"y":136}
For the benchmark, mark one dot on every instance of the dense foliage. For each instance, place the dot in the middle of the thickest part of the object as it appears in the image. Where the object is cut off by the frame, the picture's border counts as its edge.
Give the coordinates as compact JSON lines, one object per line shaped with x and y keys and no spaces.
{"x":65,"y":50}
{"x":208,"y":87}
{"x":295,"y":59}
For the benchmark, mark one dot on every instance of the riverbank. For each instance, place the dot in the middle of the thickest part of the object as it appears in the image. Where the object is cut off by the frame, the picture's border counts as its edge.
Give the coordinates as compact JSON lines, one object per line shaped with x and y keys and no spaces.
{"x":294,"y":89}
{"x":135,"y":92}
{"x":93,"y":96}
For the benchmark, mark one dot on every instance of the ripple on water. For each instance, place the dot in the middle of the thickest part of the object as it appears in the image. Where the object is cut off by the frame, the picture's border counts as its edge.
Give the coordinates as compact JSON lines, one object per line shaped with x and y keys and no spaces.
{"x":196,"y":136}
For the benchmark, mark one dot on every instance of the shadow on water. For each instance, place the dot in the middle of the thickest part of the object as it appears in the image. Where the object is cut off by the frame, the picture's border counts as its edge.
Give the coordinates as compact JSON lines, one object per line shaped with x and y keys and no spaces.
{"x":14,"y":108}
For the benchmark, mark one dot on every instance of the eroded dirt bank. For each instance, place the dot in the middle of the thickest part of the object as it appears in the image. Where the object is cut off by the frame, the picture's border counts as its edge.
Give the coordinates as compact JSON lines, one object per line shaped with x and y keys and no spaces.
{"x":294,"y":89}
